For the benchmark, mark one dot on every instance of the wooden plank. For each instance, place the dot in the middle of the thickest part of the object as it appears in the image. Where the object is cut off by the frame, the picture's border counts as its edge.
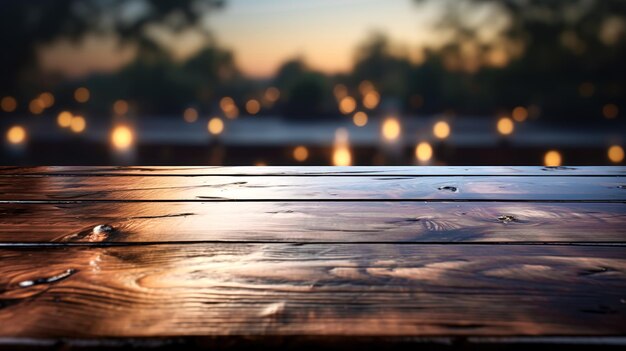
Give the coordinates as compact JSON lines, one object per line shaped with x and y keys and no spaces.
{"x":115,"y":188}
{"x":319,"y":171}
{"x":313,"y":222}
{"x":339,"y":289}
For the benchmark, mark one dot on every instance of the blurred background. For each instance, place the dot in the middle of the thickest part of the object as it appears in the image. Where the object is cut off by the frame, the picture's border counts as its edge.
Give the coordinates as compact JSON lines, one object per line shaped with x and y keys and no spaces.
{"x":325,"y":82}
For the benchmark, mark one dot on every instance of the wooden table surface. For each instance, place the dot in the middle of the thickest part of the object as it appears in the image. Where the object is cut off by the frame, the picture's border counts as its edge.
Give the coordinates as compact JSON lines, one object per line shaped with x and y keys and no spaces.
{"x":104,"y":255}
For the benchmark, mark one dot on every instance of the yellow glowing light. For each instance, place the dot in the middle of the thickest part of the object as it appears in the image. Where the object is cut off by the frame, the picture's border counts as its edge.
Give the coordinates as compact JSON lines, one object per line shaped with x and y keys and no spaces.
{"x":423,"y":151}
{"x":253,"y":106}
{"x":81,"y":94}
{"x":520,"y":114}
{"x":47,"y":99}
{"x":64,"y":119}
{"x":190,"y":115}
{"x":340,"y":91}
{"x":120,"y":107}
{"x":122,"y":137}
{"x":441,"y":130}
{"x":371,"y":100}
{"x":300,"y":153}
{"x":78,"y":124}
{"x":36,"y":106}
{"x":391,"y":129}
{"x":347,"y":105}
{"x":16,"y":135}
{"x":505,"y":126}
{"x":272,"y":94}
{"x":215,"y":126}
{"x":359,"y":119}
{"x":8,"y":104}
{"x":586,"y":89}
{"x":552,"y":158}
{"x":610,"y":111}
{"x":365,"y":87}
{"x":342,"y":156}
{"x":616,"y":154}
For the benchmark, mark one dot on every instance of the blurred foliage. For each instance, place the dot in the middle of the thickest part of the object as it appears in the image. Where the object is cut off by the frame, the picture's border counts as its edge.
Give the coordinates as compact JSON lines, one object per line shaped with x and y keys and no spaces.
{"x":542,"y":53}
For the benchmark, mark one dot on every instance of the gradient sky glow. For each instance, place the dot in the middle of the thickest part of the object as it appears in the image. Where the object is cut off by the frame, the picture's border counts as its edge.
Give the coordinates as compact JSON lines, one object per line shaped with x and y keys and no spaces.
{"x":264,"y":34}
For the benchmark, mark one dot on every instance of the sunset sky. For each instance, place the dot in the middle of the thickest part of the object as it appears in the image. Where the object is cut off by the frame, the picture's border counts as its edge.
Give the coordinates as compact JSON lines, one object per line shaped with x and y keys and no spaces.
{"x":264,"y":34}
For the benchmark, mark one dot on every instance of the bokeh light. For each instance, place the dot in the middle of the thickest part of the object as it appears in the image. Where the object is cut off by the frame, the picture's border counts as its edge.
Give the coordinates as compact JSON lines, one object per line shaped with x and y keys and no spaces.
{"x":347,"y":105}
{"x":520,"y":114}
{"x":441,"y":130}
{"x":359,"y":119}
{"x":8,"y":104}
{"x":120,"y":107}
{"x":78,"y":124}
{"x":190,"y":115}
{"x":47,"y":99}
{"x":371,"y":100}
{"x":610,"y":111}
{"x":423,"y":152}
{"x":253,"y":106}
{"x":366,"y":87}
{"x":505,"y":126}
{"x":272,"y":94}
{"x":552,"y":158}
{"x":342,"y":156}
{"x":616,"y":154}
{"x":300,"y":153}
{"x":122,"y":137}
{"x":16,"y":135}
{"x":391,"y":129}
{"x":340,"y":91}
{"x":36,"y":106}
{"x":215,"y":126}
{"x":82,"y":95}
{"x":64,"y":119}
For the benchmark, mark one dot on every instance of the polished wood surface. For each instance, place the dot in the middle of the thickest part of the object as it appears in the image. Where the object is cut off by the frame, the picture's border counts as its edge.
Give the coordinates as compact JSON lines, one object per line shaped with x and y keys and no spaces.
{"x":95,"y":253}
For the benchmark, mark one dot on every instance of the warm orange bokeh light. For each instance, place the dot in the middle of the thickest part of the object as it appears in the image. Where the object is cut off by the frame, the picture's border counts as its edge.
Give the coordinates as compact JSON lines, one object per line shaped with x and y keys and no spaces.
{"x":300,"y":153}
{"x":347,"y":105}
{"x":122,"y":137}
{"x":520,"y":114}
{"x":78,"y":124}
{"x":215,"y":126}
{"x":36,"y":106}
{"x":16,"y":135}
{"x":190,"y":115}
{"x":616,"y":154}
{"x":365,"y":87}
{"x":340,"y":91}
{"x":505,"y":126}
{"x":359,"y":119}
{"x":342,"y":156}
{"x":441,"y":130}
{"x":47,"y":99}
{"x":423,"y":152}
{"x":120,"y":107}
{"x":391,"y":129}
{"x":371,"y":100}
{"x":272,"y":94}
{"x":552,"y":158}
{"x":610,"y":111}
{"x":82,"y":94}
{"x":253,"y":106}
{"x":8,"y":104}
{"x":64,"y":119}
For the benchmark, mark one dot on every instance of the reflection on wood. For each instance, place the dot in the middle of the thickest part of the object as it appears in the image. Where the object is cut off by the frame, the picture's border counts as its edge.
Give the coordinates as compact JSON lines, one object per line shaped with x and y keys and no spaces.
{"x":313,"y":222}
{"x":218,"y":188}
{"x":320,"y":170}
{"x":281,"y":289}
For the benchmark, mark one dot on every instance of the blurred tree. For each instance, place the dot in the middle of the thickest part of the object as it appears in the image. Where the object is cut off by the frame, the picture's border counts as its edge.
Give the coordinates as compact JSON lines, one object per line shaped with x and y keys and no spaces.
{"x":25,"y":25}
{"x":305,"y":93}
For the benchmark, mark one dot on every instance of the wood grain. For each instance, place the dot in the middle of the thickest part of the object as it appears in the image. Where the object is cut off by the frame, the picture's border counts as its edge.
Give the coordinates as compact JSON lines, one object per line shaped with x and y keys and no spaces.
{"x":226,"y":188}
{"x":318,"y":171}
{"x":341,"y":289}
{"x":313,"y":222}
